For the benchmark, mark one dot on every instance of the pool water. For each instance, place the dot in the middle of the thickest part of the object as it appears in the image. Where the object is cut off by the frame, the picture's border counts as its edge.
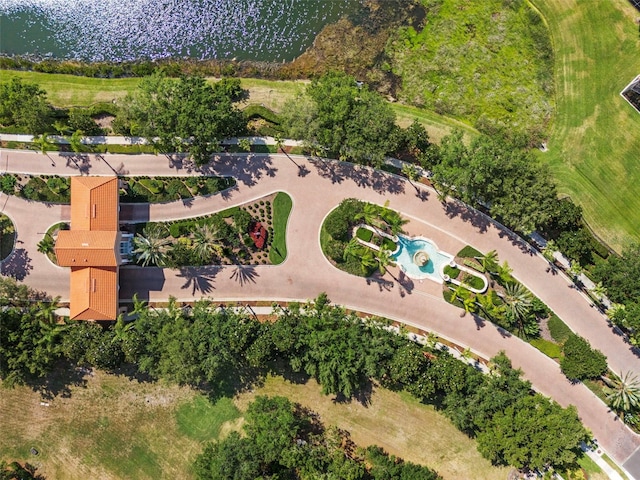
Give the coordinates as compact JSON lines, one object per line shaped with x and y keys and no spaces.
{"x":407,"y":247}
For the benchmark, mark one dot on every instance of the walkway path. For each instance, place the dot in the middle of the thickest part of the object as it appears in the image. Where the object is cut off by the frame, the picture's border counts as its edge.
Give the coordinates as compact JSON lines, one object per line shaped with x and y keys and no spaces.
{"x":316,"y":187}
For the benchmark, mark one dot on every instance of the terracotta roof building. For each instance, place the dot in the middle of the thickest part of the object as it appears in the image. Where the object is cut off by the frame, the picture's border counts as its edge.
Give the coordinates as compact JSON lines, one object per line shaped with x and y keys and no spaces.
{"x":92,"y":248}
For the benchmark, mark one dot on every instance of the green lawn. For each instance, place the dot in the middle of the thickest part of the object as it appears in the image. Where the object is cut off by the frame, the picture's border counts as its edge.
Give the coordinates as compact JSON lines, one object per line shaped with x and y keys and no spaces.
{"x":594,"y":147}
{"x":282,"y":205}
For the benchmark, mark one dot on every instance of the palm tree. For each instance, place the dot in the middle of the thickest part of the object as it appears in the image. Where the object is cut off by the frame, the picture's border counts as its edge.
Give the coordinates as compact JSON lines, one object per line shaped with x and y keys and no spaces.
{"x":518,"y":304}
{"x":278,"y":139}
{"x":370,"y":214}
{"x":46,"y":245}
{"x":459,"y":293}
{"x":489,"y":261}
{"x":487,"y":304}
{"x":623,"y":394}
{"x":205,"y":243}
{"x":368,"y":260}
{"x":75,"y":141}
{"x":410,"y":171}
{"x":384,"y":260}
{"x":393,"y":220}
{"x":599,"y":290}
{"x":353,"y":249}
{"x":244,"y":144}
{"x":60,"y":127}
{"x":504,"y":272}
{"x":152,"y":247}
{"x":43,"y":144}
{"x":549,"y":249}
{"x":469,"y":304}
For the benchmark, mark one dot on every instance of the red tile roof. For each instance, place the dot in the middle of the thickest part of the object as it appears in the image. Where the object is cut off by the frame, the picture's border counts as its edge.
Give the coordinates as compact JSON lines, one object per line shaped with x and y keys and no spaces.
{"x":92,"y":248}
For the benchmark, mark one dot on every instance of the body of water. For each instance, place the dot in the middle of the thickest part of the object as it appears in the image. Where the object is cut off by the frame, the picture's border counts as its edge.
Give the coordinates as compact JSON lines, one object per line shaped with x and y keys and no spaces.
{"x":117,"y":30}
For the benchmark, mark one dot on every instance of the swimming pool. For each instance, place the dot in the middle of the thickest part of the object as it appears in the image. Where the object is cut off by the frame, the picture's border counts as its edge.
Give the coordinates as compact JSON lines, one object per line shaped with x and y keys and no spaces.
{"x":407,"y":248}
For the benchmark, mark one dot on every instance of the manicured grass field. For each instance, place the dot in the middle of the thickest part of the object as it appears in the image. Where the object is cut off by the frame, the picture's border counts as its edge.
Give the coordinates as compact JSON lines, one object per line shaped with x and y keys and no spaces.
{"x":594,"y":147}
{"x":282,"y":205}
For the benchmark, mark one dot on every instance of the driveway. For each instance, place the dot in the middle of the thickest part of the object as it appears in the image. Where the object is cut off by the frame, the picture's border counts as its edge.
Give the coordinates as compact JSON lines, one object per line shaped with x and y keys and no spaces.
{"x":316,"y":187}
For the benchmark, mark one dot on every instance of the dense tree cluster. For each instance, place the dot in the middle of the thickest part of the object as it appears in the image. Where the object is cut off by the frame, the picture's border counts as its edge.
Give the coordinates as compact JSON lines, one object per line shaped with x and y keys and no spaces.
{"x":339,"y":118}
{"x":283,"y":440}
{"x":580,"y":361}
{"x":183,"y":115}
{"x":221,"y":349}
{"x":24,"y":105}
{"x":506,"y":180}
{"x":620,"y":275}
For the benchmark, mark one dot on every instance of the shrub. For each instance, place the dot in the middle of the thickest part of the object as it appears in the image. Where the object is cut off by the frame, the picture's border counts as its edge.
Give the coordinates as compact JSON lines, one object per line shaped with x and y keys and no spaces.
{"x":580,"y":360}
{"x":453,"y":272}
{"x":8,"y":183}
{"x":338,"y":223}
{"x":154,"y":186}
{"x":469,"y":252}
{"x":364,"y":234}
{"x":558,"y":329}
{"x":242,"y":219}
{"x":175,"y":231}
{"x":473,"y":281}
{"x":550,"y":349}
{"x":474,"y":264}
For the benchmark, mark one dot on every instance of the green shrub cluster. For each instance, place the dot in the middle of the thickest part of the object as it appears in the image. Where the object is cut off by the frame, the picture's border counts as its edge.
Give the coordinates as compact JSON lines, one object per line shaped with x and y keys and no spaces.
{"x":558,"y":329}
{"x":550,"y":349}
{"x":580,"y":361}
{"x":469,"y":252}
{"x":224,"y":348}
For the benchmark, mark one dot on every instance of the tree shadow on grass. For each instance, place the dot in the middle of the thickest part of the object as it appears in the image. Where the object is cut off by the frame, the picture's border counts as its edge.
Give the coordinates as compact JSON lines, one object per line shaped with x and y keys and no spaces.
{"x":59,"y":381}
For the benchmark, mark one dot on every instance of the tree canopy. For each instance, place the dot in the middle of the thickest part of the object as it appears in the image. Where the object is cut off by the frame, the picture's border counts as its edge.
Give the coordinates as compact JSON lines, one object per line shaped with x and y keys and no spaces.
{"x":184,"y":115}
{"x":284,"y":440}
{"x":340,"y":118}
{"x":508,"y":181}
{"x":24,"y":105}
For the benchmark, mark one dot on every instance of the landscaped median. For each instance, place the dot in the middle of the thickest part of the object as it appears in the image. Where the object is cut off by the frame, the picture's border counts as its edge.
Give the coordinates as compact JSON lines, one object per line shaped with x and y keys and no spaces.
{"x":249,"y":234}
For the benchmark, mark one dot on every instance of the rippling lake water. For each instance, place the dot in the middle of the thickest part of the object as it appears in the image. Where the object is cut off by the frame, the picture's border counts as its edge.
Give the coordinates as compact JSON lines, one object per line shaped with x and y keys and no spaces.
{"x":97,"y":30}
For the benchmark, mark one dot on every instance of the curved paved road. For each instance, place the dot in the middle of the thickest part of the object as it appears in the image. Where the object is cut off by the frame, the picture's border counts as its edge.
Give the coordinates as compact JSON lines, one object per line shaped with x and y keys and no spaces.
{"x":316,"y":187}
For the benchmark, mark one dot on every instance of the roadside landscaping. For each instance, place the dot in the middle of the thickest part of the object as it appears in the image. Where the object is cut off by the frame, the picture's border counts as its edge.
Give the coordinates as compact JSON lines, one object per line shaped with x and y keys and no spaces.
{"x":345,"y":250}
{"x":242,"y":235}
{"x":55,"y":189}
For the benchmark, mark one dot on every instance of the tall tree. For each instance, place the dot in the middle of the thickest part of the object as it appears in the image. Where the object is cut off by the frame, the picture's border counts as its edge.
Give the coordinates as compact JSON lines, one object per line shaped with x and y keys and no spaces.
{"x":184,"y":115}
{"x":152,"y":247}
{"x":533,"y":433}
{"x":345,"y":118}
{"x":24,"y":105}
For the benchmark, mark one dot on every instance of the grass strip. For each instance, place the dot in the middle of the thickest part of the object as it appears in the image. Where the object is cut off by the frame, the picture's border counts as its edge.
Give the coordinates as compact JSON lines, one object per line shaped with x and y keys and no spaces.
{"x":282,"y":205}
